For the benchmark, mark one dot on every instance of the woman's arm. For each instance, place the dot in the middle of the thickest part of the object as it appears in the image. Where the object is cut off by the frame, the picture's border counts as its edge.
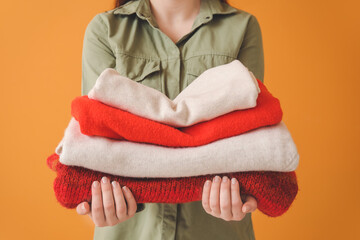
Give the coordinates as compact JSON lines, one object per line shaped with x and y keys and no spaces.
{"x":111,"y":203}
{"x":97,"y":53}
{"x":220,"y":198}
{"x":251,"y":53}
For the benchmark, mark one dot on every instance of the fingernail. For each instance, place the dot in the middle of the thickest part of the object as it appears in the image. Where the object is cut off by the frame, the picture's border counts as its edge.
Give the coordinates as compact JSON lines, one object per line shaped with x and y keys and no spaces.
{"x":125,"y":188}
{"x":207,"y":182}
{"x":233,"y":180}
{"x":224,"y":179}
{"x":96,"y":184}
{"x":216,"y":179}
{"x":83,"y":206}
{"x":104,"y":180}
{"x":113,"y":183}
{"x":245,"y":209}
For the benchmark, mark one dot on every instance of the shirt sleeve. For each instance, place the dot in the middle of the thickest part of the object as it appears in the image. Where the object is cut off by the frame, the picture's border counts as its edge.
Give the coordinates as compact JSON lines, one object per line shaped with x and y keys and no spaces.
{"x":251,"y":53}
{"x":96,"y":54}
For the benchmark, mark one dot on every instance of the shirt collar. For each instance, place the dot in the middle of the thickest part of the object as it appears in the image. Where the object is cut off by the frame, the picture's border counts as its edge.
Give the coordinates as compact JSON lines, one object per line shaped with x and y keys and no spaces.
{"x":207,"y":9}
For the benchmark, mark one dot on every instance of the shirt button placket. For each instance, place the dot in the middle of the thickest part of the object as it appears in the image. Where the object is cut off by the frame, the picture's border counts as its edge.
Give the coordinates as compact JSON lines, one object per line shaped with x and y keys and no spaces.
{"x":173,"y":80}
{"x":178,"y":68}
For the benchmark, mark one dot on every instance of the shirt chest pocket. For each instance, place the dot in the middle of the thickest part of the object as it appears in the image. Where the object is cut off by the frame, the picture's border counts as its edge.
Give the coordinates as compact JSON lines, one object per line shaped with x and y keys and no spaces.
{"x":144,"y":71}
{"x":195,"y":66}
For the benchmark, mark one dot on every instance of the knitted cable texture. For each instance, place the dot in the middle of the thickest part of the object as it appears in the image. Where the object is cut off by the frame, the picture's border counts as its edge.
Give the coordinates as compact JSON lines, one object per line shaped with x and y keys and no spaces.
{"x":274,"y":191}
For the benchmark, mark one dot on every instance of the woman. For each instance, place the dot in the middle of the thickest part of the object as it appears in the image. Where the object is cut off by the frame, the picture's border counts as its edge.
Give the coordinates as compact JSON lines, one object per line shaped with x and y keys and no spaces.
{"x":166,"y":44}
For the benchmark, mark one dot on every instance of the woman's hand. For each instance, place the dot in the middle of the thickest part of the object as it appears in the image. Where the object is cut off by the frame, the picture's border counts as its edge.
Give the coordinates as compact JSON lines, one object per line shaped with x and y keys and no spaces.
{"x":222,"y":199}
{"x":108,"y":206}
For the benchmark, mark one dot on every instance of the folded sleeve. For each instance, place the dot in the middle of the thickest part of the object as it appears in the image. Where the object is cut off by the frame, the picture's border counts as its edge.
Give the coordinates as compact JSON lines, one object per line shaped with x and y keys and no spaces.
{"x":251,"y":52}
{"x":97,"y":53}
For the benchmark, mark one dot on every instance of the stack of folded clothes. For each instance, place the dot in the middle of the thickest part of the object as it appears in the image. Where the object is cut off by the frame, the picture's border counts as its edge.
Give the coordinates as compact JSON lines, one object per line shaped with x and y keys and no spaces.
{"x":224,"y":123}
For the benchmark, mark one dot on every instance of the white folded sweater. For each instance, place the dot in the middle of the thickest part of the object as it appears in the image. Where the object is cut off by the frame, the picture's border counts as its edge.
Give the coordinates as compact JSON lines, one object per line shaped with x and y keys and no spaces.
{"x":264,"y":149}
{"x":217,"y":91}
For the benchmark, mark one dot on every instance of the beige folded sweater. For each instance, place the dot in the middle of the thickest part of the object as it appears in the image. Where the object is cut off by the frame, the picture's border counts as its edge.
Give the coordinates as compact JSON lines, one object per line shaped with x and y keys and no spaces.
{"x":216,"y":91}
{"x":264,"y":149}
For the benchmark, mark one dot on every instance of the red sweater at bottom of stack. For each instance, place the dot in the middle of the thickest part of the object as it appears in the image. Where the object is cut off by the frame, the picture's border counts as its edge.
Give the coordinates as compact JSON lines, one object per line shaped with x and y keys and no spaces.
{"x":274,"y":191}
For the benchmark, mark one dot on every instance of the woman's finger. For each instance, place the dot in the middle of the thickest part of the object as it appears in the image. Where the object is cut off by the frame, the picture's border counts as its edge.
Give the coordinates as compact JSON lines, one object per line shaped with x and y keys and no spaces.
{"x":250,"y":204}
{"x":225,"y":199}
{"x":108,"y":202}
{"x":97,"y":209}
{"x":215,"y":196}
{"x":83,"y":208}
{"x":130,"y":200}
{"x":236,"y":203}
{"x":120,"y":204}
{"x":206,"y":196}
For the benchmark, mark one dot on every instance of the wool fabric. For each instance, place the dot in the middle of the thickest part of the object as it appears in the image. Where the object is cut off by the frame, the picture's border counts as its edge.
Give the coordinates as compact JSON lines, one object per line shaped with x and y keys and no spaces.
{"x":99,"y":119}
{"x":216,"y":91}
{"x":268,"y":148}
{"x":274,"y":191}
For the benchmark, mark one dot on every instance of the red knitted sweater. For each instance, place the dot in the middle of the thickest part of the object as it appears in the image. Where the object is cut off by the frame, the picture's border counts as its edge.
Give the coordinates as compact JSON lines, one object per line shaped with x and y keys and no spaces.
{"x":96,"y":118}
{"x":274,"y":191}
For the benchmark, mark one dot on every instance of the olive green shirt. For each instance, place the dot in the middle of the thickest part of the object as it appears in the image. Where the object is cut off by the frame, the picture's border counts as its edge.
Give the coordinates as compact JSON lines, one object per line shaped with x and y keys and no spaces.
{"x":128,"y":39}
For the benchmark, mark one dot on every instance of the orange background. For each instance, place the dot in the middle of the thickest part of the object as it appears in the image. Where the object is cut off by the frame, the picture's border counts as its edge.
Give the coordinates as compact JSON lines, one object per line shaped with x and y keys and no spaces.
{"x":312,"y":61}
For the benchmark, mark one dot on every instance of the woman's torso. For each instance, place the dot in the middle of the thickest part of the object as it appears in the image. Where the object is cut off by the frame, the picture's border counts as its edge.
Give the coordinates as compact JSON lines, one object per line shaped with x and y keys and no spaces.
{"x":127,"y":38}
